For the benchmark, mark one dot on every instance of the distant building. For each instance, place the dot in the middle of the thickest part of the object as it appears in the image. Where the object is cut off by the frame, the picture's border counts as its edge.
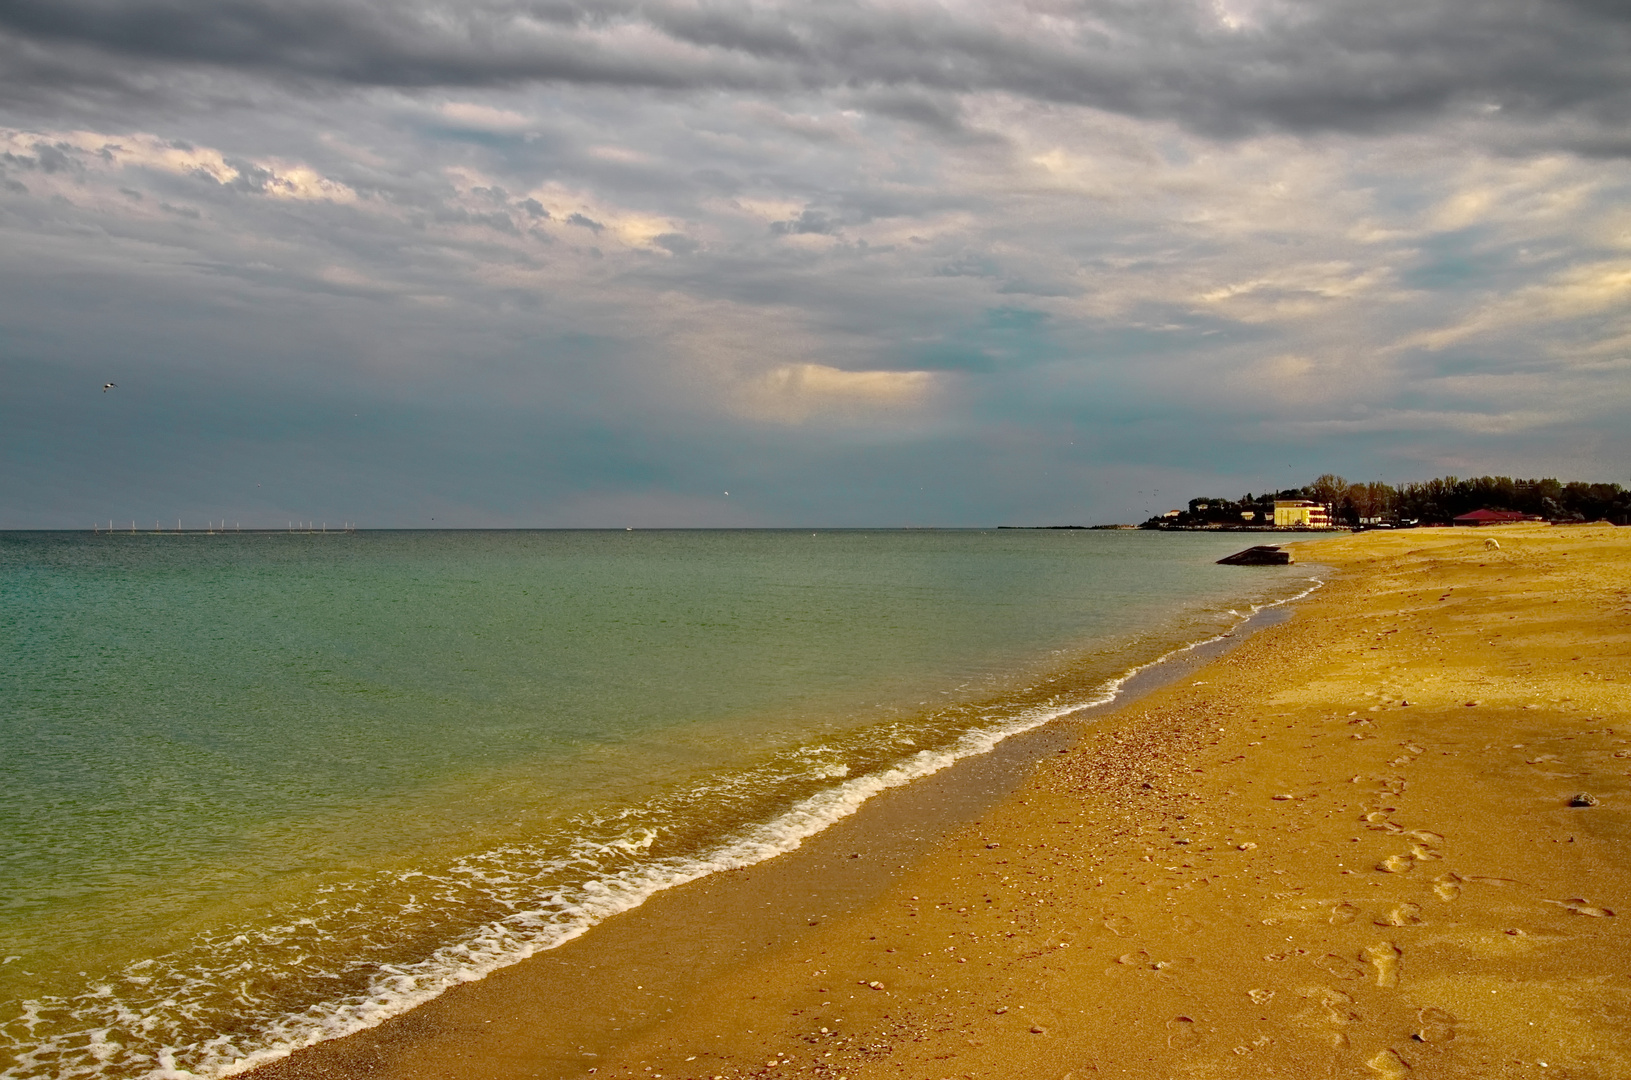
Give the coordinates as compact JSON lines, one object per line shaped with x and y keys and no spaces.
{"x":1248,"y":515}
{"x":1300,"y":513}
{"x":1494,"y":517}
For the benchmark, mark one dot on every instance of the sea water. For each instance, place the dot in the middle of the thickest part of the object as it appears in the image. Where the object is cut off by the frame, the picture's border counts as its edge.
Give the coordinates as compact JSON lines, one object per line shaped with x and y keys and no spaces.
{"x":263,"y":789}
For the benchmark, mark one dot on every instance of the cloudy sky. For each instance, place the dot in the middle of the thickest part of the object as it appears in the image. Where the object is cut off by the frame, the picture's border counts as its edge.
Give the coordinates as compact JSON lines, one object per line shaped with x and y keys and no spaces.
{"x":893,"y":262}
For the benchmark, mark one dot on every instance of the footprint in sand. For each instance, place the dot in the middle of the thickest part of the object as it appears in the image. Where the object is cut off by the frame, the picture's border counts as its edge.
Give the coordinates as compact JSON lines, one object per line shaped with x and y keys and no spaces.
{"x":1404,"y":915}
{"x":1117,"y":924}
{"x":1329,"y":1007}
{"x":1388,"y":1065}
{"x":1396,"y":864}
{"x":1378,"y":820}
{"x":1185,"y":924}
{"x":1581,"y":907}
{"x":1437,"y":1026}
{"x":1384,"y":957}
{"x":1448,"y":884}
{"x":1343,"y":913}
{"x":1338,"y":1006}
{"x":1186,"y":1034}
{"x":1339,"y":967}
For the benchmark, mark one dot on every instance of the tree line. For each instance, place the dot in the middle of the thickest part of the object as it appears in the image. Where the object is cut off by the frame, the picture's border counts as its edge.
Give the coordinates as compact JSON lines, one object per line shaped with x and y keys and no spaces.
{"x":1430,"y":502}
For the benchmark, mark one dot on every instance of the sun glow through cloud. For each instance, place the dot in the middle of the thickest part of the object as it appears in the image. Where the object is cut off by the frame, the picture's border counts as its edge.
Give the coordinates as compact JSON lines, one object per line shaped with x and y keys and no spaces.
{"x":979,"y":261}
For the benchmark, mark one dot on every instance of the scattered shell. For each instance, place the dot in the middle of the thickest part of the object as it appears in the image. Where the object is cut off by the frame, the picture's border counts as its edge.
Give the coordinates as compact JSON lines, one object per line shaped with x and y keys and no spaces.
{"x":1581,"y":907}
{"x":1585,"y":798}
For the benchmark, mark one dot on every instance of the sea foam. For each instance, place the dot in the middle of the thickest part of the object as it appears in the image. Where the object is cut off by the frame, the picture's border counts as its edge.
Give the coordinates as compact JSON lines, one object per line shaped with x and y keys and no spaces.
{"x":126,"y":1026}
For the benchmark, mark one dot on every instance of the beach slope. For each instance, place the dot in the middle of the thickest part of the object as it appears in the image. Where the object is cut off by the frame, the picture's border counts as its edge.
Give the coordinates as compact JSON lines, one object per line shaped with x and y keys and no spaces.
{"x":1386,"y":838}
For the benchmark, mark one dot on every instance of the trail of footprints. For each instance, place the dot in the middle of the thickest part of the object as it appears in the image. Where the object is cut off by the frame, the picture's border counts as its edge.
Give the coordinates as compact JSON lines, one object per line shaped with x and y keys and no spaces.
{"x":1433,"y":1028}
{"x":1380,"y":963}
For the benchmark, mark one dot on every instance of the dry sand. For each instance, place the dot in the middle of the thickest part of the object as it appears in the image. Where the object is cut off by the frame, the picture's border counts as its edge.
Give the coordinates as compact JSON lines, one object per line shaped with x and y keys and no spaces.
{"x":1345,"y":849}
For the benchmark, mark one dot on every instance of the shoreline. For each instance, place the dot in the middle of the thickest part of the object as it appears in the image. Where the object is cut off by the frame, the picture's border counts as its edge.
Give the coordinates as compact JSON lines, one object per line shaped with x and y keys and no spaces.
{"x":894,"y":825}
{"x":1343,"y":848}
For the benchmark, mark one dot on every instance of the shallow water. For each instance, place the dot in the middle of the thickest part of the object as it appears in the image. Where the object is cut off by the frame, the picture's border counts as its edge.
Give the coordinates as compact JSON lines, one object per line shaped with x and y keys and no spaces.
{"x":266,"y":788}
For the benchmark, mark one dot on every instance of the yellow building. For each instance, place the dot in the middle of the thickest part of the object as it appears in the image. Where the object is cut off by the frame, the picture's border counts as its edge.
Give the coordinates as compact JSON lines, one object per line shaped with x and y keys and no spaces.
{"x":1300,"y":513}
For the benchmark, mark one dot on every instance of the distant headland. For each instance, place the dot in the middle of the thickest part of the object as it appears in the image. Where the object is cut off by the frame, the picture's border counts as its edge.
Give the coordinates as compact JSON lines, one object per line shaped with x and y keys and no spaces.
{"x":1331,"y":502}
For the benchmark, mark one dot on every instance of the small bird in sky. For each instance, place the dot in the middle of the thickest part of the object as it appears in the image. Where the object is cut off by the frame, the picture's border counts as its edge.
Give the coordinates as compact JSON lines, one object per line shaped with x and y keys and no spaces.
{"x":108,"y":386}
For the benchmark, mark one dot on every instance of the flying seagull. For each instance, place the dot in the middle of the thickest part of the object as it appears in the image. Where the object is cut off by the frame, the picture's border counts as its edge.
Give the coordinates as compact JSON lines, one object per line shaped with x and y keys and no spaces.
{"x":108,"y":386}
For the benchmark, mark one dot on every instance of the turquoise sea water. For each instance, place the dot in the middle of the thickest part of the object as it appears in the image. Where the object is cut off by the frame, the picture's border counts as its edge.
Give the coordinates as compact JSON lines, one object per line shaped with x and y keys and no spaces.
{"x":261,"y":789}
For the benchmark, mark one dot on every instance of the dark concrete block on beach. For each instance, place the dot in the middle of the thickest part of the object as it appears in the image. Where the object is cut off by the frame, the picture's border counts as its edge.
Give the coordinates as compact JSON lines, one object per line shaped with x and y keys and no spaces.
{"x":1261,"y":555}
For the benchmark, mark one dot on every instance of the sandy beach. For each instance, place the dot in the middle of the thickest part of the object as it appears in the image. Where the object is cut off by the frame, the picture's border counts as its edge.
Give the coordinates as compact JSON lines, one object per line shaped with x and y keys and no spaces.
{"x":1347,"y":848}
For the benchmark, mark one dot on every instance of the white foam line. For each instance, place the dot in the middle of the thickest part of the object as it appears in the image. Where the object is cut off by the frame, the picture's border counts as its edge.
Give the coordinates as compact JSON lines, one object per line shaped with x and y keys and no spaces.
{"x":499,"y":945}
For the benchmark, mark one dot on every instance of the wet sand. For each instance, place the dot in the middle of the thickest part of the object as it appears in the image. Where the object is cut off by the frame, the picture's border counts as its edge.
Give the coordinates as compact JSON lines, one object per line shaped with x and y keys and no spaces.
{"x":1344,"y":849}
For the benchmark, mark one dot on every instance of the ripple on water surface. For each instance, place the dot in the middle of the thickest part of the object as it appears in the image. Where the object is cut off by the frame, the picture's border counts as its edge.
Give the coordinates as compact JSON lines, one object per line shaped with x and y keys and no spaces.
{"x":269,"y":789}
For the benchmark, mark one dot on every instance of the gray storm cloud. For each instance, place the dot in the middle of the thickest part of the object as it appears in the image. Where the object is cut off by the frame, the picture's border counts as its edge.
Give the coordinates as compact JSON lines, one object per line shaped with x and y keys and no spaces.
{"x":1224,"y":68}
{"x":853,"y":262}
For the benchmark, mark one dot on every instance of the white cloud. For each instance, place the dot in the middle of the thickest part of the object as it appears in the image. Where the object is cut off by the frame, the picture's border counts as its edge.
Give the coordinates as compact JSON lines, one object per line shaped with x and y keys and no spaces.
{"x":1578,"y":293}
{"x":101,"y":152}
{"x":474,"y":116}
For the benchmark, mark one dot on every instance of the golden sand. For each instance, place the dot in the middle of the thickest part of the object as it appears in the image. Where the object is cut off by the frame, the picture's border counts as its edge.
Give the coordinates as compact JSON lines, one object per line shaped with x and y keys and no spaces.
{"x":1346,"y":849}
